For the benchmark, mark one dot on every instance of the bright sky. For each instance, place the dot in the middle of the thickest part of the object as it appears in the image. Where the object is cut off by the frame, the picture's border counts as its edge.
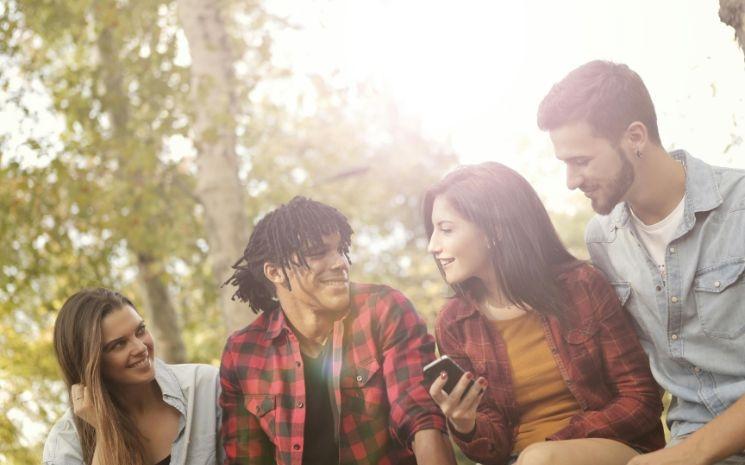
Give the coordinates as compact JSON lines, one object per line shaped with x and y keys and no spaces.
{"x":475,"y":71}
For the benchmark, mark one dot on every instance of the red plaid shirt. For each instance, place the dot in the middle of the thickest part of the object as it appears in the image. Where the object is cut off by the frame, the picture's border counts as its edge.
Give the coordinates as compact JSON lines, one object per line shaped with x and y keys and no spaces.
{"x":597,"y":353}
{"x":378,"y":351}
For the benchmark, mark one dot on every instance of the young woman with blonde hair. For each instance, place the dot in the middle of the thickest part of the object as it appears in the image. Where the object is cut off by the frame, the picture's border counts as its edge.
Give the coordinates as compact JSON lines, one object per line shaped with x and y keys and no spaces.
{"x":127,"y":407}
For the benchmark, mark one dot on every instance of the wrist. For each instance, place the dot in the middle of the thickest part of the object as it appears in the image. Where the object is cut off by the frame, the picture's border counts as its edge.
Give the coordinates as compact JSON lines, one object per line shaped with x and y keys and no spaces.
{"x":463,"y":427}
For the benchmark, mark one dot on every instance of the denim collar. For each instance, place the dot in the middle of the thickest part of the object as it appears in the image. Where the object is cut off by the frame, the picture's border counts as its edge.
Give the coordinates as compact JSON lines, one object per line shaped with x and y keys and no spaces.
{"x":701,"y":191}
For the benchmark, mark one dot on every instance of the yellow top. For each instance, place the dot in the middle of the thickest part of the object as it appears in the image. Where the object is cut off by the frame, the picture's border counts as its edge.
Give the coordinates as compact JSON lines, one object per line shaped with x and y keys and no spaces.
{"x":544,"y":401}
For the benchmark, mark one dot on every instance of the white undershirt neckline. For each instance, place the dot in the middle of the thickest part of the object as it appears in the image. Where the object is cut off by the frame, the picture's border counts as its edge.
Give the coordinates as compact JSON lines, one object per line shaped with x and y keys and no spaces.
{"x":656,"y":237}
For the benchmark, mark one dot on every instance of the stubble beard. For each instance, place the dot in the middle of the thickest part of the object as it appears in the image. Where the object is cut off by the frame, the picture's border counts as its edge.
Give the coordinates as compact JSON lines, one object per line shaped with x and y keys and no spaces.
{"x":616,"y":187}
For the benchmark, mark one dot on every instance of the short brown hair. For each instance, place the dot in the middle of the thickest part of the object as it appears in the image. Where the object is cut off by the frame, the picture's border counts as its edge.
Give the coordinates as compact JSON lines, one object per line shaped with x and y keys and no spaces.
{"x":608,"y":96}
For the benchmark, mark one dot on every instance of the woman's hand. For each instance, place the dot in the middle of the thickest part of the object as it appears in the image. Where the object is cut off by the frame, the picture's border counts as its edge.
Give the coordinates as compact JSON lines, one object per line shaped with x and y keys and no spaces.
{"x":82,"y":404}
{"x":460,"y":410}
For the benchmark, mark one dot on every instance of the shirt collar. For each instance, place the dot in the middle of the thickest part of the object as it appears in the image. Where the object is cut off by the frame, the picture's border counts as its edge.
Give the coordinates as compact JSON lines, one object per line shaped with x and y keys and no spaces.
{"x":701,"y":191}
{"x":278,"y":321}
{"x":169,"y":385}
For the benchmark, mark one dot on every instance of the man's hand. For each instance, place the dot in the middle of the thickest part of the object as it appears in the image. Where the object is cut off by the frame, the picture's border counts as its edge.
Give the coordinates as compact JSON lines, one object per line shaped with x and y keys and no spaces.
{"x":460,"y":410}
{"x":675,"y":455}
{"x":82,"y":404}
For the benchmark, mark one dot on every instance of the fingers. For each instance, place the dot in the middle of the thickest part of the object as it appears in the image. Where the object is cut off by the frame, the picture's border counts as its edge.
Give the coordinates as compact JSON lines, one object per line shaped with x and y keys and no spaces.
{"x":456,"y":403}
{"x":436,"y":392}
{"x":462,"y":385}
{"x":472,"y":398}
{"x":77,"y":393}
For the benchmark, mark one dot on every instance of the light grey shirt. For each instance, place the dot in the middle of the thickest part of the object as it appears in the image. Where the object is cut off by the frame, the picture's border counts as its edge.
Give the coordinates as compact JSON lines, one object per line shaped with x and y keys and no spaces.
{"x":692,"y":324}
{"x":192,"y":389}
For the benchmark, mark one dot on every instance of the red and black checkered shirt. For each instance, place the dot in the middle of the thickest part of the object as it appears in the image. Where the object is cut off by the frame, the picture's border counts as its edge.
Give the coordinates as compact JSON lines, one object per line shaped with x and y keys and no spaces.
{"x":378,"y":351}
{"x":598,"y":355}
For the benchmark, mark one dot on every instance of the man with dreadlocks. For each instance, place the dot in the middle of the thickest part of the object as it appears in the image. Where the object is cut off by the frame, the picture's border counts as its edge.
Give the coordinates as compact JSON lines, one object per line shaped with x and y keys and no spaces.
{"x":331,"y":371}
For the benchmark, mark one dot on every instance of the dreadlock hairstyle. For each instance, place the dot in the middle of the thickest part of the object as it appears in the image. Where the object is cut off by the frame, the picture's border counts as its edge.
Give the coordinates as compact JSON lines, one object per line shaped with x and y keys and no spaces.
{"x":281,"y":237}
{"x":77,"y":345}
{"x":525,"y":250}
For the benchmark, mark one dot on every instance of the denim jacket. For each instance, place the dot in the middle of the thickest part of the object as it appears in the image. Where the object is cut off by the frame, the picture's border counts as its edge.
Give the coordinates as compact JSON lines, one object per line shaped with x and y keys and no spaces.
{"x":192,"y":389}
{"x":692,"y":324}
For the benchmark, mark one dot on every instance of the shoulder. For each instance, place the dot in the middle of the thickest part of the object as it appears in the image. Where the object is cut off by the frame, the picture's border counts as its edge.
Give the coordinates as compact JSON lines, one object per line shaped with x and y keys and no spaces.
{"x":378,"y":298}
{"x":598,"y":227}
{"x":62,"y":445}
{"x":194,"y":374}
{"x":587,"y":289}
{"x":731,"y":184}
{"x":451,"y":313}
{"x":580,"y":273}
{"x":251,"y":333}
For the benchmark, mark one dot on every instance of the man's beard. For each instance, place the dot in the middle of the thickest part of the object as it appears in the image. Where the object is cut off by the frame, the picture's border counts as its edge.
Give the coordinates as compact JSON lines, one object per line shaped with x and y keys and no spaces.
{"x":616,"y":187}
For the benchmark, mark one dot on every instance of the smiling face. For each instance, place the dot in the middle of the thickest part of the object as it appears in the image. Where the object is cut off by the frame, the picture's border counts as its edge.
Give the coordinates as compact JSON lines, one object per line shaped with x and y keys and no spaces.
{"x":458,"y":245}
{"x":127,"y":348}
{"x":599,"y":169}
{"x":322,"y":286}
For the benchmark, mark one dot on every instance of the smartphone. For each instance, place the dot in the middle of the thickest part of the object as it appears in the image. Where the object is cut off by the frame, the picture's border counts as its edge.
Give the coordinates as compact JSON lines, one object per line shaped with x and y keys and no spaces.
{"x":446,"y":364}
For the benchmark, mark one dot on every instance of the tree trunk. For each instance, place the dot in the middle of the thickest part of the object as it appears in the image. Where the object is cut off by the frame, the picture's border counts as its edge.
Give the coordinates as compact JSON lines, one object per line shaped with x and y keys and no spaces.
{"x":157,"y":303}
{"x":732,"y":13}
{"x":160,"y":311}
{"x":218,"y":186}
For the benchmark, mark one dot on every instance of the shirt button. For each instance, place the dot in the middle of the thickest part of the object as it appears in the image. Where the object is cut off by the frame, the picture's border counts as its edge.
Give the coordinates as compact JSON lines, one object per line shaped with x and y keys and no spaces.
{"x":717,"y":283}
{"x":674,"y":337}
{"x":296,"y":446}
{"x":672,"y":249}
{"x":658,"y":288}
{"x":674,"y":299}
{"x":299,"y":404}
{"x":298,"y":363}
{"x":359,"y":378}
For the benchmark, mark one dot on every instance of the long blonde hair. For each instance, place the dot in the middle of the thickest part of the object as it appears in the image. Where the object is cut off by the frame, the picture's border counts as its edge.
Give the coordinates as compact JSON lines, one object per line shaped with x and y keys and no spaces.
{"x":77,"y":344}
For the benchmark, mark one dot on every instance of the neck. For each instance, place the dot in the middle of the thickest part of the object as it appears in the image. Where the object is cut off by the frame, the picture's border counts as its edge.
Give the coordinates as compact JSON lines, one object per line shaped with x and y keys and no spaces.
{"x":495,"y":305}
{"x":138,"y":398}
{"x":311,"y":328}
{"x":658,"y":187}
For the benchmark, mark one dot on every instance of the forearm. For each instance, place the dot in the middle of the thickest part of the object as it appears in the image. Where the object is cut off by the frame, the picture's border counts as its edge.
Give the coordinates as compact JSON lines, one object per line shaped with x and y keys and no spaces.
{"x":431,"y":446}
{"x":722,"y":437}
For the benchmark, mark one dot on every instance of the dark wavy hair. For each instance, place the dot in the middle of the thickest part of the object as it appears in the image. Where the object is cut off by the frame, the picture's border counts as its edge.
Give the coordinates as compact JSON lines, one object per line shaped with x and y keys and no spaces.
{"x":608,"y":96}
{"x":281,"y":237}
{"x":526,"y":252}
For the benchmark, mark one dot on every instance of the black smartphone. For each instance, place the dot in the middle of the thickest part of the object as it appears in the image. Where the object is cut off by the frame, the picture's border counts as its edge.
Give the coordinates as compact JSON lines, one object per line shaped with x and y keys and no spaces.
{"x":446,"y":364}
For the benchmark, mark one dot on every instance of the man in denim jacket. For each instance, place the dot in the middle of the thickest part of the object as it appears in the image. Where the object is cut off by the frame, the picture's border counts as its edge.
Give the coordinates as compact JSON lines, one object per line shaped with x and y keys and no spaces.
{"x":670,"y":236}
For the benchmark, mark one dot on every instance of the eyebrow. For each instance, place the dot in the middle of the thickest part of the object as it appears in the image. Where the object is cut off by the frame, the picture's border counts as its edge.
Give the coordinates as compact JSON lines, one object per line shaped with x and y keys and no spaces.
{"x":108,"y":345}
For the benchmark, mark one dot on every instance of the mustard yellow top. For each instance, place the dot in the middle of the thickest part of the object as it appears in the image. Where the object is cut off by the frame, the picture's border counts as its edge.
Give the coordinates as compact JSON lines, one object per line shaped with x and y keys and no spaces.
{"x":544,"y":401}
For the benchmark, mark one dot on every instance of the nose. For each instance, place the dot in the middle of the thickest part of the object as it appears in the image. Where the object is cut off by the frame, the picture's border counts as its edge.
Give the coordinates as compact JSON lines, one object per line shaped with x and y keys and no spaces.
{"x":340,"y":261}
{"x":433,"y":246}
{"x":574,"y":178}
{"x":139,"y":346}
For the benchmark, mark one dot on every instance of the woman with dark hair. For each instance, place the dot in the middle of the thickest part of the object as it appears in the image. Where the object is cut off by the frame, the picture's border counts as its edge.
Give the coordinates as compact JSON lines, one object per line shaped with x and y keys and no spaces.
{"x":556,"y":373}
{"x":127,"y":407}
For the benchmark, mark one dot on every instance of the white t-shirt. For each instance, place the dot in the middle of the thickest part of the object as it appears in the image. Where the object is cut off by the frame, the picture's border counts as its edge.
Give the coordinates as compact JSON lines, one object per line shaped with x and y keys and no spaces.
{"x":656,"y":237}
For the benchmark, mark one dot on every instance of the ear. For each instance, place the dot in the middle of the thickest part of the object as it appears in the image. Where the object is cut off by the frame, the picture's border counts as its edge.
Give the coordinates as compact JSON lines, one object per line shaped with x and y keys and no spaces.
{"x":636,"y":137}
{"x":274,"y":273}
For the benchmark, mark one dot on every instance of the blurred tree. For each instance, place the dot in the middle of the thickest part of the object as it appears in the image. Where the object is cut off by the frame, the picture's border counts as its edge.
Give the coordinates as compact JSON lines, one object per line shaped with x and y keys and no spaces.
{"x":732,"y":13}
{"x":214,"y":109}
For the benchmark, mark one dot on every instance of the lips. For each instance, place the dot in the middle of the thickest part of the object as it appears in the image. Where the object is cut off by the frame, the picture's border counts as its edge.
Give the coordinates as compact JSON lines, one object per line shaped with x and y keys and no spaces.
{"x":445,"y":261}
{"x":145,"y":362}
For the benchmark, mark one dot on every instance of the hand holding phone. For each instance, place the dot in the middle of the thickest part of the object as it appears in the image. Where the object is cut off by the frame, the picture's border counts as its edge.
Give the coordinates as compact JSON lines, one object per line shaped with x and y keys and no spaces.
{"x":451,"y":390}
{"x":453,"y":370}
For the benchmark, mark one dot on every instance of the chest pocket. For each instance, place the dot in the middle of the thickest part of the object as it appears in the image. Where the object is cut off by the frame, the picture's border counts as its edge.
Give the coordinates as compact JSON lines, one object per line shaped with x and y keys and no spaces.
{"x":363,"y":389}
{"x":263,"y":407}
{"x":719,"y":291}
